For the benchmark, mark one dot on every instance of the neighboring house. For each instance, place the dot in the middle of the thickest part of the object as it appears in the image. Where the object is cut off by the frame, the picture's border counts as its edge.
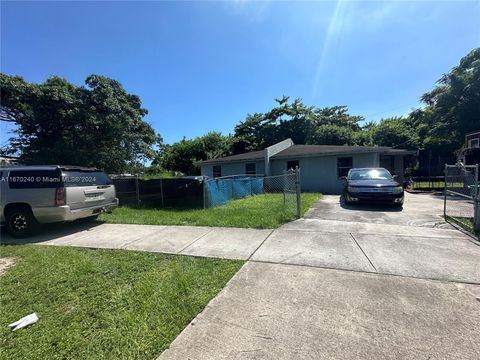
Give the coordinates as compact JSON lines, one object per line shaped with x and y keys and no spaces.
{"x":472,"y":140}
{"x":470,"y":154}
{"x":321,"y":166}
{"x":8,"y":160}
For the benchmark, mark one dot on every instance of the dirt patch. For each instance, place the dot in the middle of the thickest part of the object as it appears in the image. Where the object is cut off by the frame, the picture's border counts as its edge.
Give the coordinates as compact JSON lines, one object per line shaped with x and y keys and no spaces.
{"x":6,"y":263}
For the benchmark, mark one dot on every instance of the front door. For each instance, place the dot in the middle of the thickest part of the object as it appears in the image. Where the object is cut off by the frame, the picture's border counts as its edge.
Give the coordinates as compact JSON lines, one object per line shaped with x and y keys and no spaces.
{"x":387,"y":162}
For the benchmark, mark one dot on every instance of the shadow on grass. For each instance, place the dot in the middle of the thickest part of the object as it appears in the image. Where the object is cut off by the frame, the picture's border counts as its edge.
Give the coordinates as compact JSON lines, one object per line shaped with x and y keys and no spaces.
{"x":51,"y":231}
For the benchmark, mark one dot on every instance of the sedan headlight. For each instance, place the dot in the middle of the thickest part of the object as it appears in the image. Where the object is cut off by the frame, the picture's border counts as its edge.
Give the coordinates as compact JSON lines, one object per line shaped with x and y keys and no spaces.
{"x":397,"y":190}
{"x":352,"y":189}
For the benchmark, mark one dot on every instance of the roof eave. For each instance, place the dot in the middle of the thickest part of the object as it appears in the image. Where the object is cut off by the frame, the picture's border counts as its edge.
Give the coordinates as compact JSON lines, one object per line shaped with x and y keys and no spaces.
{"x":220,"y":161}
{"x":335,"y":153}
{"x":398,"y":152}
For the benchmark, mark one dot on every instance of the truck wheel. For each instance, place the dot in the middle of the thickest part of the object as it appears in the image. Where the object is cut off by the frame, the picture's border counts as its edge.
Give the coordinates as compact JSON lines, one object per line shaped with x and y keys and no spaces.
{"x":20,"y":222}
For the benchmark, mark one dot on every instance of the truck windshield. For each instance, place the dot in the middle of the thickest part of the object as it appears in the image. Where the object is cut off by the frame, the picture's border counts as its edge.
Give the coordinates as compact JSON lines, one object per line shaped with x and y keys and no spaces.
{"x":85,"y":178}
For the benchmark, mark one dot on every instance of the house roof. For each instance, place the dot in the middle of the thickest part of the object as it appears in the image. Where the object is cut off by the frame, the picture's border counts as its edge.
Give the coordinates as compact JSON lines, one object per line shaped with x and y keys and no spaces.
{"x":311,"y":150}
{"x":295,"y":151}
{"x":253,"y":155}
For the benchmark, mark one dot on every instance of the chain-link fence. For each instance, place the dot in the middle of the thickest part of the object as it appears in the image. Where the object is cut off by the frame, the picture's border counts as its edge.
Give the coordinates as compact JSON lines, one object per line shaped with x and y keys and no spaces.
{"x":127,"y":188}
{"x":283,"y":189}
{"x":159,"y":193}
{"x":461,"y":196}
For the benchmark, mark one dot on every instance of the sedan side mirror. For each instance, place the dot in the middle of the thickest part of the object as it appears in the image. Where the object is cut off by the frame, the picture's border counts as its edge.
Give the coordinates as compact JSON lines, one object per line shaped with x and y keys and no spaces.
{"x":343,"y":178}
{"x":395,"y":176}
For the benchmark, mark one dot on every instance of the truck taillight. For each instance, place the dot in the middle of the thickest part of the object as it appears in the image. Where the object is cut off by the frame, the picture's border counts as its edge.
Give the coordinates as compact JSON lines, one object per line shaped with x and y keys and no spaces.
{"x":60,"y":198}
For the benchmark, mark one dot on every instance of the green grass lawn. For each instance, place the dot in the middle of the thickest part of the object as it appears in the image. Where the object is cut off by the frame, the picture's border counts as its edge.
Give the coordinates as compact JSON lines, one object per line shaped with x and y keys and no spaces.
{"x":435,"y":184}
{"x":466,"y":223}
{"x":102,"y":304}
{"x":260,"y":211}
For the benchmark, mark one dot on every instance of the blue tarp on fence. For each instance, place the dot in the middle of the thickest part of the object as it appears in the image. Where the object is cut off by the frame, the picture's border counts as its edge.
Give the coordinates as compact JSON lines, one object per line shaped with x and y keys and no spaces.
{"x":221,"y":191}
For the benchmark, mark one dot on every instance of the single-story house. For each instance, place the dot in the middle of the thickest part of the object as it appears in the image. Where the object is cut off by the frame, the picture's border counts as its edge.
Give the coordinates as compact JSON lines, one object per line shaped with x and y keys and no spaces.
{"x":321,"y":166}
{"x":470,"y":153}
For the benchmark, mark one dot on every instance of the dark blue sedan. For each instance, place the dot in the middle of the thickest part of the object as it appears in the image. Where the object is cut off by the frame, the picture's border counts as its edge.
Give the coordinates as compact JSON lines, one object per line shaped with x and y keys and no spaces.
{"x":372,"y":185}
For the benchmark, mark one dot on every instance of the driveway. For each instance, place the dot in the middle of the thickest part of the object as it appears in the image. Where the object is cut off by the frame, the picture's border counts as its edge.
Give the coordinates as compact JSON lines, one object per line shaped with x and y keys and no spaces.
{"x":424,"y":210}
{"x":413,"y":242}
{"x":296,"y":301}
{"x":273,"y":311}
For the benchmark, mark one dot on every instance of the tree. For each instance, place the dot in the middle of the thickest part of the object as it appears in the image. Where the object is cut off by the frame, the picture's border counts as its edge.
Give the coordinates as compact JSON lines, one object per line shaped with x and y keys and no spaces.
{"x":98,"y":124}
{"x":395,"y":132}
{"x":303,"y":124}
{"x":328,"y":134}
{"x":182,"y":156}
{"x":453,"y":106}
{"x":452,"y":109}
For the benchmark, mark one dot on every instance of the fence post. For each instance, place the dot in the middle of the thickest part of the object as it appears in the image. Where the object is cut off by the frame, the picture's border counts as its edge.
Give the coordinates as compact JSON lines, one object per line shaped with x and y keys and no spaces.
{"x":137,"y":189}
{"x":445,"y":193}
{"x":476,"y":203}
{"x":161,"y":192}
{"x":297,"y":188}
{"x":204,"y":193}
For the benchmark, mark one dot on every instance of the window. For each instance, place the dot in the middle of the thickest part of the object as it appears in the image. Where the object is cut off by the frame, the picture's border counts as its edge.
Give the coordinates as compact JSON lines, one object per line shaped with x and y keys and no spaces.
{"x":473,"y":143}
{"x":217,"y":171}
{"x":344,"y":165}
{"x":34,"y":179}
{"x":250,"y":169}
{"x":292,"y":165}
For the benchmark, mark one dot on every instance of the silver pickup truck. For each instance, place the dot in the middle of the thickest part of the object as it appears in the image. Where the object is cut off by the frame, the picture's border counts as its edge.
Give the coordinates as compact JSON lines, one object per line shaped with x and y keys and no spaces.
{"x":31,"y":195}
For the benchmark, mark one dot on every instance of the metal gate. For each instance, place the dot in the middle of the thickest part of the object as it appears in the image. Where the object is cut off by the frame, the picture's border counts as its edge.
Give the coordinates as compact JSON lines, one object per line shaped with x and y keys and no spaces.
{"x":461,"y":196}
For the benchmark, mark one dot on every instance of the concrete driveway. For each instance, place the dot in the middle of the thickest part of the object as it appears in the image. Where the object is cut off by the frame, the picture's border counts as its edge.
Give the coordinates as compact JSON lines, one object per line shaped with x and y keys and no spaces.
{"x":412,"y":242}
{"x":295,"y":301}
{"x":273,"y":311}
{"x":419,"y":210}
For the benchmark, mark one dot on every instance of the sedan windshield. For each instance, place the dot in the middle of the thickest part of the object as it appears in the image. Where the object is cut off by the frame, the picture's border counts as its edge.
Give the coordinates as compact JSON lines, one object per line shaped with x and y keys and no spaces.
{"x":370,"y":174}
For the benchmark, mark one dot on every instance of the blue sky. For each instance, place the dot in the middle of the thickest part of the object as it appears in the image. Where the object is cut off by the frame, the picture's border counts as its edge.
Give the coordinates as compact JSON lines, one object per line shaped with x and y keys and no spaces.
{"x":202,"y":66}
